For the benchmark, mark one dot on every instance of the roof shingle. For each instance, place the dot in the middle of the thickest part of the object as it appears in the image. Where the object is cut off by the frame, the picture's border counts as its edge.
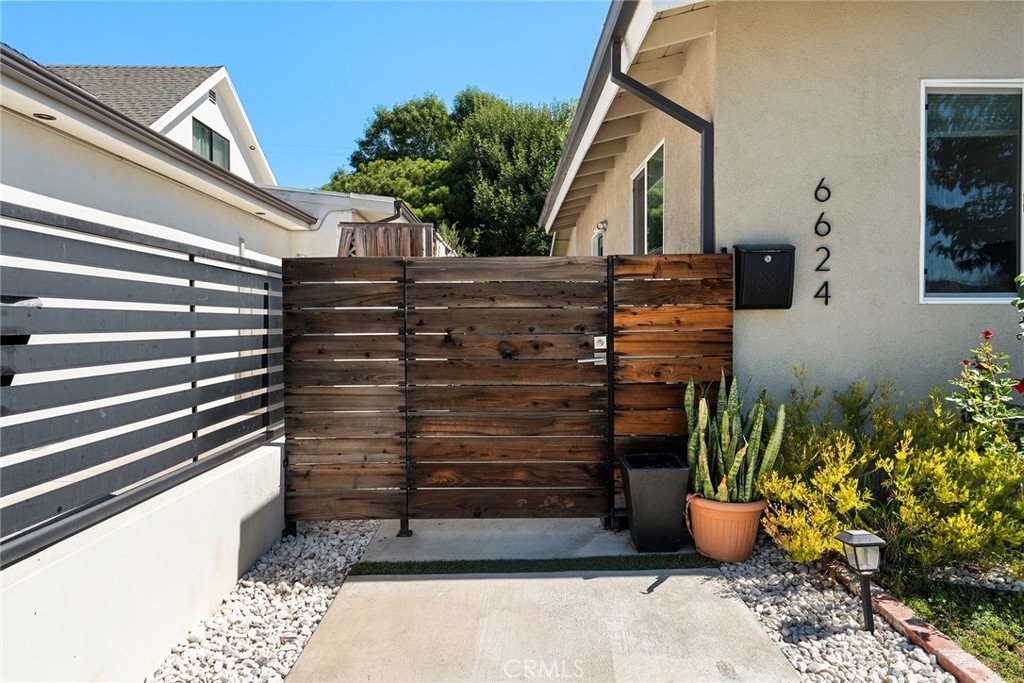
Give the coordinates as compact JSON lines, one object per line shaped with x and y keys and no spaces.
{"x":143,"y":93}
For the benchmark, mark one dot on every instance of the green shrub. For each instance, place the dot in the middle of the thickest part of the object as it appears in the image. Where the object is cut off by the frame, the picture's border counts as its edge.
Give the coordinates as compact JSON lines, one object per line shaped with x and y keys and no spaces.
{"x":986,"y":391}
{"x":955,"y":504}
{"x":939,"y":491}
{"x":807,"y":509}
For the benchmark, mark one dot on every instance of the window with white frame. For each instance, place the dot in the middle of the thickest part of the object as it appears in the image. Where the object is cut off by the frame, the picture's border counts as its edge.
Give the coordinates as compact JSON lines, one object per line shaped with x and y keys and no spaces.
{"x":972,"y":190}
{"x":210,"y":144}
{"x":649,"y":204}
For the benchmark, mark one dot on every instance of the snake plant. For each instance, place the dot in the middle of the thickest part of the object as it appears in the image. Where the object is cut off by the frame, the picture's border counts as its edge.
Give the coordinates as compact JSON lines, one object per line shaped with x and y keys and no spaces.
{"x":725,"y":451}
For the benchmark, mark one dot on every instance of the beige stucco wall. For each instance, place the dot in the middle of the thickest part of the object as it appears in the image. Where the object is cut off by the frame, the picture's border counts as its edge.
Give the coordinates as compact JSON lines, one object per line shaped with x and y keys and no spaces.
{"x":833,"y":89}
{"x":58,"y":168}
{"x":695,"y":90}
{"x":804,"y":90}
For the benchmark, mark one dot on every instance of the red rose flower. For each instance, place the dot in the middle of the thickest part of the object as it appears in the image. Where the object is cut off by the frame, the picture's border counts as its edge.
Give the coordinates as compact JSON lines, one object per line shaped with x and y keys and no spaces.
{"x":981,"y":366}
{"x":966,"y":361}
{"x":987,"y":334}
{"x":1020,"y":386}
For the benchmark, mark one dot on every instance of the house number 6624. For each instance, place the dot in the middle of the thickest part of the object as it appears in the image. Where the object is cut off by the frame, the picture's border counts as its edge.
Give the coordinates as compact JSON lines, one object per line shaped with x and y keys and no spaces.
{"x":822,"y":228}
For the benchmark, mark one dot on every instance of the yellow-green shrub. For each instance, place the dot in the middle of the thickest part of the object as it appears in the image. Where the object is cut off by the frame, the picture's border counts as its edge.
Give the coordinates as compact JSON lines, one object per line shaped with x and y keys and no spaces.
{"x":807,"y":509}
{"x":953,"y":504}
{"x":939,"y":491}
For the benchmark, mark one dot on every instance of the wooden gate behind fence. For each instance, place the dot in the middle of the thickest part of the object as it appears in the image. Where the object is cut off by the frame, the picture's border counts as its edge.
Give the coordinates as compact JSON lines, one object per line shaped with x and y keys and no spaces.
{"x":451,"y":388}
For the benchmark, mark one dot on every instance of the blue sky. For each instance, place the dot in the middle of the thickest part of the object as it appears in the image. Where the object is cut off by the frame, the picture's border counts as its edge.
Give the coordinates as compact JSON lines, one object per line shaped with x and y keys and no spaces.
{"x":310,"y":73}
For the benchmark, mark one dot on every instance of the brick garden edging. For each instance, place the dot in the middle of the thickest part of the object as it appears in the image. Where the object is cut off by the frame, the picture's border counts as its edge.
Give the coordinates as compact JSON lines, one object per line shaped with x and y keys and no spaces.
{"x":964,"y":666}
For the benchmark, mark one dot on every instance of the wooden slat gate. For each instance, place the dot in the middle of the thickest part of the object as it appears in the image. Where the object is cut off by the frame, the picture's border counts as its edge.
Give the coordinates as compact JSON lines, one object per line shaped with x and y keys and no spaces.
{"x":450,"y":388}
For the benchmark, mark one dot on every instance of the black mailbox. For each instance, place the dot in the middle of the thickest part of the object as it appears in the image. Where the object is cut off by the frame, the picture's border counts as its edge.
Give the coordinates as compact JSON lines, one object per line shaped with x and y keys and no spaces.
{"x":764,"y":275}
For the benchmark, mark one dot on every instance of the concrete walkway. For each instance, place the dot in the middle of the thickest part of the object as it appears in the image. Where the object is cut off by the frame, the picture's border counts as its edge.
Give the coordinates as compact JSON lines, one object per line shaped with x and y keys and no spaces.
{"x":671,"y":625}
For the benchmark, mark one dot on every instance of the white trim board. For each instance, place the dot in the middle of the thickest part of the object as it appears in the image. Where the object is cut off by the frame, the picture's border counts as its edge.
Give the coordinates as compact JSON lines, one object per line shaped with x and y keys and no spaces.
{"x":990,"y":85}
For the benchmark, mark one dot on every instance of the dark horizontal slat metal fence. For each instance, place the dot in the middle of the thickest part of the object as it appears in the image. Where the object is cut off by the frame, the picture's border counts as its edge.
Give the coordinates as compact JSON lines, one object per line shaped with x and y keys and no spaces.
{"x":149,"y":362}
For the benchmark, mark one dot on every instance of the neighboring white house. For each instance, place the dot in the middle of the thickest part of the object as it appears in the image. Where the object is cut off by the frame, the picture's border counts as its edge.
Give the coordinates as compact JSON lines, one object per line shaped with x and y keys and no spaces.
{"x":196,"y":106}
{"x":169,"y":146}
{"x":909,"y":113}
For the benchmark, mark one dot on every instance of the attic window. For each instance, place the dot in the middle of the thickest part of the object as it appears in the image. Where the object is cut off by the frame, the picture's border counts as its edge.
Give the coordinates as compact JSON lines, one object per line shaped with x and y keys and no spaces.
{"x":213,"y":97}
{"x":211,"y":145}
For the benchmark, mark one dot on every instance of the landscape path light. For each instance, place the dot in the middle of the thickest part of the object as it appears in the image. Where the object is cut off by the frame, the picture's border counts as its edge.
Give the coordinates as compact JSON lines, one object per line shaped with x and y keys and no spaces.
{"x":864,"y":555}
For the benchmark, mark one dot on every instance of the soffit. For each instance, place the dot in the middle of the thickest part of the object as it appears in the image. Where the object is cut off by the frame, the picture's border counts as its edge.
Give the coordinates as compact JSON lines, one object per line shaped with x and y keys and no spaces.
{"x":651,"y":65}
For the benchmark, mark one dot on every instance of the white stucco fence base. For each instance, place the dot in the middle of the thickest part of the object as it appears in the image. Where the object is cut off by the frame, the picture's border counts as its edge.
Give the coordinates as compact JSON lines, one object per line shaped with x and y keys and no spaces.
{"x":109,"y":603}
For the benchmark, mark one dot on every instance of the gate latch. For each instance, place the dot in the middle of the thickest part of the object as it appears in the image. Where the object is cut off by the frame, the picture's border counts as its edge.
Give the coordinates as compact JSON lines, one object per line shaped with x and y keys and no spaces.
{"x":600,"y":355}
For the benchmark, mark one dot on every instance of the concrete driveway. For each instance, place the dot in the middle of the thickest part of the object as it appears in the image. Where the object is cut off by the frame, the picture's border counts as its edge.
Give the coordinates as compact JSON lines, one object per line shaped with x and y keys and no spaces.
{"x":651,"y":625}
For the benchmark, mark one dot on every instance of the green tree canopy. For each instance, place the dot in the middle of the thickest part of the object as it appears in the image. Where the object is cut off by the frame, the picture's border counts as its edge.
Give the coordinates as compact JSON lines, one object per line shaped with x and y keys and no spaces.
{"x":482,"y":169}
{"x":505,"y":156}
{"x":417,"y":129}
{"x":420,"y":183}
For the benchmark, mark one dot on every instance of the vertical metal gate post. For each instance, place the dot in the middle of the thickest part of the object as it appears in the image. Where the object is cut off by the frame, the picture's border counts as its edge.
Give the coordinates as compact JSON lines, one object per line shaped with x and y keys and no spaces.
{"x":404,"y":531}
{"x":192,"y":359}
{"x":610,"y":355}
{"x":266,"y":356}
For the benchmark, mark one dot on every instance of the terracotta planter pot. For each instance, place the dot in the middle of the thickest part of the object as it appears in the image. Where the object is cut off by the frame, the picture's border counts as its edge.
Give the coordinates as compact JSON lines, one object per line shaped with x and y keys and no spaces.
{"x":724,"y":531}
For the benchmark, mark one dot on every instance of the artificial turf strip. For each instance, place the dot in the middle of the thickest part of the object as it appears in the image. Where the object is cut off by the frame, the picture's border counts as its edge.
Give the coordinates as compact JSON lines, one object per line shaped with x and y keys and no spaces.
{"x":576,"y":564}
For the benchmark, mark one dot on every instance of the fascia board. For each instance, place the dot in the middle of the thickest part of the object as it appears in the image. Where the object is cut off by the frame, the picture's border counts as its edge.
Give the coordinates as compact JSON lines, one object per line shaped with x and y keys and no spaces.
{"x":638,"y":26}
{"x":234,"y":104}
{"x":26,"y":90}
{"x":263,"y":173}
{"x":162,"y":124}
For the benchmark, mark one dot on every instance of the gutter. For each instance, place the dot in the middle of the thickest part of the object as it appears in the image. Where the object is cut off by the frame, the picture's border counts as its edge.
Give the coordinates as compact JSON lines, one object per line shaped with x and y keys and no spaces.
{"x":620,"y":14}
{"x":23,"y":70}
{"x":689,"y":119}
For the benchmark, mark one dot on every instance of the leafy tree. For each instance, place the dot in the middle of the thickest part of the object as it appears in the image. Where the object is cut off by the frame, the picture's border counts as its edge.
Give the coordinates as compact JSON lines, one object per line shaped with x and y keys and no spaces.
{"x":502,"y":158}
{"x":417,"y":129}
{"x":483,"y":169}
{"x":468,"y":101}
{"x":420,"y":183}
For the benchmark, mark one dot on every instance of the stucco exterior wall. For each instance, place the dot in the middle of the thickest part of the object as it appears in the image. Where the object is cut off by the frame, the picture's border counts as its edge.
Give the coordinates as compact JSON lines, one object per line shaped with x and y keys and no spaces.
{"x":39,"y":160}
{"x":694,"y":89}
{"x":833,"y":89}
{"x":109,"y":603}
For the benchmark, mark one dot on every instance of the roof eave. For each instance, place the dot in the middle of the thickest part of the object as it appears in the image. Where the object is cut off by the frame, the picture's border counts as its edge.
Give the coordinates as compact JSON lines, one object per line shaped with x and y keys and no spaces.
{"x":23,"y":70}
{"x":620,"y":14}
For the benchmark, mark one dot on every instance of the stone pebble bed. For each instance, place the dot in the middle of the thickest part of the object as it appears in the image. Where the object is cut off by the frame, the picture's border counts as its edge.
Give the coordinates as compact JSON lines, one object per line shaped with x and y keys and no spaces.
{"x":817,"y":624}
{"x":260,"y":629}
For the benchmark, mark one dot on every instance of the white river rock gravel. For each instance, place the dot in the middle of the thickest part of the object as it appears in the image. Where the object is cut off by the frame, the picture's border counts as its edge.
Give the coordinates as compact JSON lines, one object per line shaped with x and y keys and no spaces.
{"x":261,"y":627}
{"x":818,"y":625}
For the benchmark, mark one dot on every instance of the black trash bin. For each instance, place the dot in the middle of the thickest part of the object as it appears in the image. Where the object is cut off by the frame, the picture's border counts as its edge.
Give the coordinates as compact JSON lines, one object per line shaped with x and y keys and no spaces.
{"x":655,"y":486}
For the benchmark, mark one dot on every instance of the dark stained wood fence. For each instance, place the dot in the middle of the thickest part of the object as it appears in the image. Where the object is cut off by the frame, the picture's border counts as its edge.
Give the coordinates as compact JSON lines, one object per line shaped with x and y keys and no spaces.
{"x":345,"y":401}
{"x":503,"y":419}
{"x":449,"y":388}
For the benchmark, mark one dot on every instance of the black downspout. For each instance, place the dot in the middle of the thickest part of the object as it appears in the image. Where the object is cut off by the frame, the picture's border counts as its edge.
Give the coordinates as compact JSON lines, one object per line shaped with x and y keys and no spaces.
{"x":688,"y":118}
